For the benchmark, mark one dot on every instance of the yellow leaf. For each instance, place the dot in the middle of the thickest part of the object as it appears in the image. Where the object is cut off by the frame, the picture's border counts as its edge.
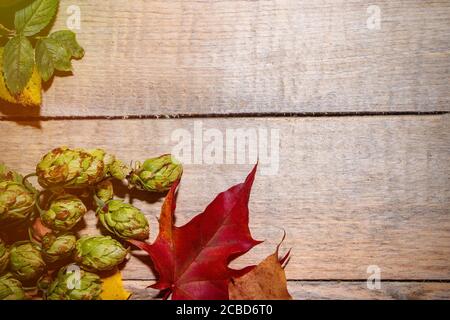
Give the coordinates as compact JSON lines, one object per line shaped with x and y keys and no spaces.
{"x":30,"y":96}
{"x":113,"y":288}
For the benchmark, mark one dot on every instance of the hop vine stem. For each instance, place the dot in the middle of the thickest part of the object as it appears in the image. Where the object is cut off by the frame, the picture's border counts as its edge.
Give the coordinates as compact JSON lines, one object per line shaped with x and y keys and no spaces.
{"x":99,"y":202}
{"x":9,"y":31}
{"x":38,"y":200}
{"x":27,"y":184}
{"x":29,"y":176}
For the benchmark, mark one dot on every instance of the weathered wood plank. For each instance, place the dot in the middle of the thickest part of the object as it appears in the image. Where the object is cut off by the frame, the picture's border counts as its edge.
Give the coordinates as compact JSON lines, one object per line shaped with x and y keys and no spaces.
{"x":324,"y":290}
{"x":202,"y":57}
{"x":350,"y":192}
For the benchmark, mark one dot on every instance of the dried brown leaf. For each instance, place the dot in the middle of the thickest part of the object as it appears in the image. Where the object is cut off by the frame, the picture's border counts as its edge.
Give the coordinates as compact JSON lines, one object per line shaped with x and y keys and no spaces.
{"x":267,"y":281}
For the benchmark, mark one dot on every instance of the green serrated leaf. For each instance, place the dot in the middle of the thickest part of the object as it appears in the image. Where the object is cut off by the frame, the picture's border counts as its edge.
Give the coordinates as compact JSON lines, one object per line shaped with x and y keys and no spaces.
{"x":68,"y":39}
{"x":18,"y":63}
{"x":35,"y":17}
{"x":51,"y":55}
{"x":44,"y":61}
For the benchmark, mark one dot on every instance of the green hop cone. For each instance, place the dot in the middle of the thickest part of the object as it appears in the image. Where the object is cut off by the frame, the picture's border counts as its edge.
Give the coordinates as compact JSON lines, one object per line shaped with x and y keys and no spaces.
{"x":124,"y":220}
{"x":4,"y":256}
{"x":71,"y":168}
{"x":116,"y":168}
{"x":26,"y":261}
{"x":75,"y":285}
{"x":59,"y":248}
{"x":9,"y":175}
{"x":64,"y":213}
{"x":99,"y":253}
{"x":78,"y":168}
{"x":16,"y":203}
{"x":156,"y":174}
{"x":104,"y":190}
{"x":11,"y":288}
{"x":44,"y":282}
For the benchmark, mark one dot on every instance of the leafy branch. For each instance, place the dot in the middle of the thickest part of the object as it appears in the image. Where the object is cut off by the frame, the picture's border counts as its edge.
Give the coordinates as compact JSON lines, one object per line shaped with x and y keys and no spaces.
{"x":51,"y":52}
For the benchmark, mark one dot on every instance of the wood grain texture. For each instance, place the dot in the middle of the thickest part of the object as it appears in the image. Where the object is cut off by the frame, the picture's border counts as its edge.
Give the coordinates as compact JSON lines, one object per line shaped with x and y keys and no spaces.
{"x":264,"y":56}
{"x":350,"y":192}
{"x":325,"y":290}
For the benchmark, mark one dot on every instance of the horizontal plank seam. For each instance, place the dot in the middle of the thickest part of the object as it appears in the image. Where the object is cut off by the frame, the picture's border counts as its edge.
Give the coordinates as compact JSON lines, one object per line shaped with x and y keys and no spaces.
{"x":225,"y":115}
{"x":365,"y":280}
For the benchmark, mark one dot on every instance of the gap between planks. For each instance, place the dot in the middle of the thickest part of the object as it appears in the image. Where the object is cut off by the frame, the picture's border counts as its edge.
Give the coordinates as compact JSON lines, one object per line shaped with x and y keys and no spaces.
{"x":331,"y":280}
{"x":225,"y":115}
{"x":319,"y":290}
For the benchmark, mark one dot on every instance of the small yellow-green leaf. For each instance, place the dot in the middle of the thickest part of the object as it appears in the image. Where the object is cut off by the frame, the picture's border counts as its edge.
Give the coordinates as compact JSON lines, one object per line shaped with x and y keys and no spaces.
{"x":18,"y":63}
{"x":68,"y":39}
{"x":35,"y":17}
{"x":113,"y":287}
{"x":30,"y":96}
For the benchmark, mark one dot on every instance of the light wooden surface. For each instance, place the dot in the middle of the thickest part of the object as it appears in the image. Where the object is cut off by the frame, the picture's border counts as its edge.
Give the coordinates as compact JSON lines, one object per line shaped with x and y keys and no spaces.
{"x":350,"y":192}
{"x":321,"y":290}
{"x":201,"y":57}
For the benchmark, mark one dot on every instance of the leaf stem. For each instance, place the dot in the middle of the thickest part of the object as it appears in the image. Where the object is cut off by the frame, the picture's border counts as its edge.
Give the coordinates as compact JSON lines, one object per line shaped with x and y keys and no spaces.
{"x":99,"y":202}
{"x":9,"y":31}
{"x":25,"y":179}
{"x":37,"y":204}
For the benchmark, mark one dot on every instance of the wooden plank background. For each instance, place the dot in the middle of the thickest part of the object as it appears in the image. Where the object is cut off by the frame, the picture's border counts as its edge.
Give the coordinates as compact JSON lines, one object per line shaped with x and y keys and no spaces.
{"x":265,"y":56}
{"x":352,"y":190}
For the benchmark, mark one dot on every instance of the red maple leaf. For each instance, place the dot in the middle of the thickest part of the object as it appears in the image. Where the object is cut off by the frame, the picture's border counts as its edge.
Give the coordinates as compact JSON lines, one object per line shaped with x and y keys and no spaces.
{"x":192,"y":260}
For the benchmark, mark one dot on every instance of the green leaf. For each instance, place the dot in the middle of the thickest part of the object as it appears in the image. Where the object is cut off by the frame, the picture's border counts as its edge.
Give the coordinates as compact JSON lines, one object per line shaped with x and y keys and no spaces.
{"x":51,"y":55}
{"x":18,"y":63}
{"x":44,"y":61}
{"x":68,"y":39}
{"x":35,"y":17}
